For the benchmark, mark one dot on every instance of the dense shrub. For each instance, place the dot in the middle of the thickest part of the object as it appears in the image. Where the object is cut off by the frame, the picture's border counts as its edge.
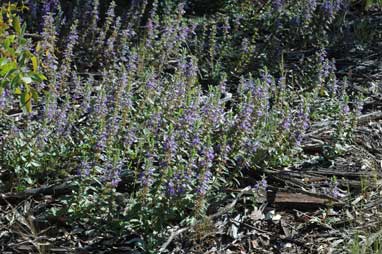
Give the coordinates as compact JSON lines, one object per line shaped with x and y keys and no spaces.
{"x":166,"y":107}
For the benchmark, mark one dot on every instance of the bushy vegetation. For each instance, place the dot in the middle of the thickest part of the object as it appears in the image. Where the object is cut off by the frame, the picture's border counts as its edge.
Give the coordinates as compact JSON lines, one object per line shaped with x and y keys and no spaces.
{"x":153,"y":112}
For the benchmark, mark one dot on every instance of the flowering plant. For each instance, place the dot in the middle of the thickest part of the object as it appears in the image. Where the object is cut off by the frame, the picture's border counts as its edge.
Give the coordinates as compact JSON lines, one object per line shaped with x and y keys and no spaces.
{"x":155,"y":112}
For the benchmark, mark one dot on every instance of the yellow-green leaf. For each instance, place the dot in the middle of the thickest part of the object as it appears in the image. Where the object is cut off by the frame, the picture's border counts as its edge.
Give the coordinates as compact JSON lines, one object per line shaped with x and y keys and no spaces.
{"x":28,"y":105}
{"x":26,"y":101}
{"x":34,"y":63}
{"x":16,"y":25}
{"x":34,"y":94}
{"x":17,"y":91}
{"x":38,"y":47}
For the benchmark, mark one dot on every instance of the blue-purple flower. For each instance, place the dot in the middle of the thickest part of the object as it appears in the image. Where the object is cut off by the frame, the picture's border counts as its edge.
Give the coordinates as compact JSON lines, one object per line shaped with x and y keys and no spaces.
{"x":286,"y":123}
{"x":146,"y":177}
{"x":169,"y":144}
{"x":204,"y":183}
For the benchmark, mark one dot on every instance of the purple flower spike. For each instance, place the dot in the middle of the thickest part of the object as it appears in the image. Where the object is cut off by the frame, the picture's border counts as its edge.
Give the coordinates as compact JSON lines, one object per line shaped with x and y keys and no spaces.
{"x":346,"y":109}
{"x":3,"y":99}
{"x":203,"y":187}
{"x":286,"y":123}
{"x":210,"y":154}
{"x":278,"y":4}
{"x":84,"y":169}
{"x":146,"y":178}
{"x":171,"y":188}
{"x":264,"y":183}
{"x":170,"y":144}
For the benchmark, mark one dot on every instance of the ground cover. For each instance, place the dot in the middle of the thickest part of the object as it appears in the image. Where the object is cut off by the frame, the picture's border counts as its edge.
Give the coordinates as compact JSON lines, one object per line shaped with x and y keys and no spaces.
{"x":163,"y":127}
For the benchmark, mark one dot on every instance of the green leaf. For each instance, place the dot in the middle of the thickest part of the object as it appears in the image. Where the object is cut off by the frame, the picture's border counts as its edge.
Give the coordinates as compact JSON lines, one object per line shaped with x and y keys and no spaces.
{"x":16,"y":25}
{"x":23,"y":28}
{"x":34,"y":94}
{"x":34,"y":63}
{"x":28,"y":180}
{"x":3,"y":61}
{"x":17,"y":91}
{"x":7,"y":68}
{"x":7,"y":43}
{"x":15,"y":82}
{"x":35,"y":164}
{"x":25,"y":100}
{"x":38,"y":77}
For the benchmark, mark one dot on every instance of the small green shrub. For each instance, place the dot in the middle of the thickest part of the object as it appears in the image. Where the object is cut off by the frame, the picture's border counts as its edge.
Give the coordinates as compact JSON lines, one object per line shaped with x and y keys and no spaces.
{"x":19,"y":67}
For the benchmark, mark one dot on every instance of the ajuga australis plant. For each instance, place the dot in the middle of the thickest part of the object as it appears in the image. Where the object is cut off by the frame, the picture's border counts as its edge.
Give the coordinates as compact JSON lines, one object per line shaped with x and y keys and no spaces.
{"x":154,"y":111}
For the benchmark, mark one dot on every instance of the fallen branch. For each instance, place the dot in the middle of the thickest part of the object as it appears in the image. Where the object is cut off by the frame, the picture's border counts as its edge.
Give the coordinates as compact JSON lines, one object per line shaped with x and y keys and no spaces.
{"x":374,"y":116}
{"x":55,"y":190}
{"x":305,"y":199}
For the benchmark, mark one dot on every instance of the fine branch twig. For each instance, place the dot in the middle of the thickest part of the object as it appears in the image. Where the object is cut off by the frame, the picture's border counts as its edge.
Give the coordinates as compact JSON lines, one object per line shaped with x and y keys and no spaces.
{"x":212,"y":216}
{"x":33,"y":35}
{"x":370,"y":241}
{"x":172,"y":236}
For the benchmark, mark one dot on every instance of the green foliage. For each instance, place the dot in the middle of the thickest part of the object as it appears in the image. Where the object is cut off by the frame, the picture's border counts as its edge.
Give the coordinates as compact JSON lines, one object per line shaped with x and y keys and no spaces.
{"x":29,"y":159}
{"x":19,"y":67}
{"x":156,"y":113}
{"x":362,"y":245}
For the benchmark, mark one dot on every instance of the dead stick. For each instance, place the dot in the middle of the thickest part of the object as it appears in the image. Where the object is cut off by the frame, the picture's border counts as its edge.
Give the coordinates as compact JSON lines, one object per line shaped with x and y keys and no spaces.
{"x":217,"y":214}
{"x":172,"y":236}
{"x":370,"y":241}
{"x":374,"y":116}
